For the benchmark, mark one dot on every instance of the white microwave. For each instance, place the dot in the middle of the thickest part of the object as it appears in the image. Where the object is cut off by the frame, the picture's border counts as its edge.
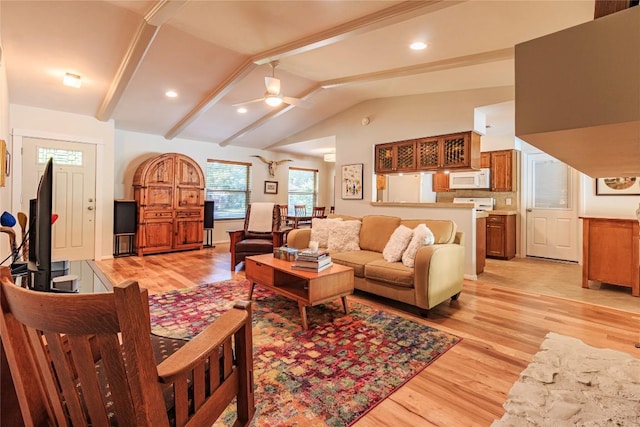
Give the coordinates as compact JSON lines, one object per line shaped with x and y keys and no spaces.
{"x":479,"y":179}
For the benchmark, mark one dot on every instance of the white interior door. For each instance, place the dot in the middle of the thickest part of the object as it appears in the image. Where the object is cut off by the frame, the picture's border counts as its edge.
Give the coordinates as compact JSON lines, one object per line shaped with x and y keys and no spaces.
{"x":73,"y":192}
{"x":552,"y":211}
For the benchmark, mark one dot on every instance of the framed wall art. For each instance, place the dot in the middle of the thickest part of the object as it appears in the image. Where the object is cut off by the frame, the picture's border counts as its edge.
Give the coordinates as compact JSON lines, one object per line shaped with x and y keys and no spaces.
{"x":271,"y":187}
{"x":618,"y":186}
{"x":351,"y":181}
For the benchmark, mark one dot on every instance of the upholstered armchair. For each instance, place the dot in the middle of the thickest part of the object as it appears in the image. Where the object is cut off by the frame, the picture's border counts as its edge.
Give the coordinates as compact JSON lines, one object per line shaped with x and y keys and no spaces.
{"x":260,"y":234}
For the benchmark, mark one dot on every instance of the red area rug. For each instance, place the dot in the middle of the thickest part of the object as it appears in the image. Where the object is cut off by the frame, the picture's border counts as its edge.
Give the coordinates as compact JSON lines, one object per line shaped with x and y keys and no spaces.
{"x":329,"y":375}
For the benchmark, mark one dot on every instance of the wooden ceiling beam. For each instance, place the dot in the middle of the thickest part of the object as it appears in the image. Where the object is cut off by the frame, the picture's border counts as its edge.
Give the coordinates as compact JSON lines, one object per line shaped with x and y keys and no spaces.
{"x":161,"y":12}
{"x":445,"y":64}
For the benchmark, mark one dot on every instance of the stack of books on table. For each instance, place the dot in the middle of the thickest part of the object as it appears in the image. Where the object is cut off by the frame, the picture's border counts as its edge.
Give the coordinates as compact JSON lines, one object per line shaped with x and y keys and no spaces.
{"x":312,"y":260}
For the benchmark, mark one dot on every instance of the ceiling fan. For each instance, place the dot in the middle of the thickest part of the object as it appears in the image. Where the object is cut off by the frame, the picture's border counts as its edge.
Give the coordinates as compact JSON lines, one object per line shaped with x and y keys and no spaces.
{"x":273,"y":95}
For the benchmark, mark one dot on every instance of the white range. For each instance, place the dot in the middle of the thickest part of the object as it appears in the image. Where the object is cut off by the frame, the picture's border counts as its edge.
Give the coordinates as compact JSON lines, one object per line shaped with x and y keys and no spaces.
{"x":481,"y":203}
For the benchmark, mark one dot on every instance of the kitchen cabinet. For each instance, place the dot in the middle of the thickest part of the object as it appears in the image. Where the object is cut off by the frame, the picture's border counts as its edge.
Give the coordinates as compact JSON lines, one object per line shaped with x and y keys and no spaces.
{"x":610,"y":252}
{"x":501,"y":236}
{"x":440,"y":182}
{"x":503,"y":170}
{"x":169,"y":194}
{"x":452,"y":151}
{"x":485,"y":159}
{"x":395,"y":157}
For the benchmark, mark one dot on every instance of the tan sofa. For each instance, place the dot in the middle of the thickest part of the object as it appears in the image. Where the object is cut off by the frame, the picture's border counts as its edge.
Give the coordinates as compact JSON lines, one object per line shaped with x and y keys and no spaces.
{"x":438,"y":272}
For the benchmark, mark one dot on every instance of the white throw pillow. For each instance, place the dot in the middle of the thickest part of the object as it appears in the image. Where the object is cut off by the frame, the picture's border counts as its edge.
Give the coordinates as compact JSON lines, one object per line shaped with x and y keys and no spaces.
{"x":320,"y":230}
{"x":422,"y":236}
{"x":344,"y":236}
{"x":397,"y":244}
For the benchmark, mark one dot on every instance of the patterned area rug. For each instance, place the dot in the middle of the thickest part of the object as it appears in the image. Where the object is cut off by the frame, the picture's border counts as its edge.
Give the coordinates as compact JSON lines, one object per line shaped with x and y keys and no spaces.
{"x":569,"y":383}
{"x":329,"y":375}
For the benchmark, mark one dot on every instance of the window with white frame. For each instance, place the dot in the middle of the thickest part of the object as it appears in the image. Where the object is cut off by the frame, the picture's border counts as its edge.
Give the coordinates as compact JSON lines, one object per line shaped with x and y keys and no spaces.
{"x":303,"y":188}
{"x":229,"y":186}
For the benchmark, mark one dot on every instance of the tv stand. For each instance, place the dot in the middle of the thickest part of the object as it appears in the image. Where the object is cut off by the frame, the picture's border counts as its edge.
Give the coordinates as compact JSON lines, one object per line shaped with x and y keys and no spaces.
{"x":39,"y":280}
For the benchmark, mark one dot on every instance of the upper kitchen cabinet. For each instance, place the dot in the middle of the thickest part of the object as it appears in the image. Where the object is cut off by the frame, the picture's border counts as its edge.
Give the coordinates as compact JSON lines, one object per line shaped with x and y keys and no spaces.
{"x":396,"y":157}
{"x":485,"y":160}
{"x":503,"y":170}
{"x":452,"y":151}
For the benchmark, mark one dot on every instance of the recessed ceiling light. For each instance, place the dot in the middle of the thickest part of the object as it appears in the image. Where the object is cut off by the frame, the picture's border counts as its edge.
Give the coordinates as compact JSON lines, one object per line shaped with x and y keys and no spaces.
{"x":418,"y":45}
{"x":171,"y":93}
{"x":241,"y":110}
{"x":72,"y":80}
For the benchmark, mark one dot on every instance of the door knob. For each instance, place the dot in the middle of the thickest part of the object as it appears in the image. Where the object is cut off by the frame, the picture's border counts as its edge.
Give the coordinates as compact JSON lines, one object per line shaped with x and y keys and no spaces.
{"x":90,"y":208}
{"x":529,"y":210}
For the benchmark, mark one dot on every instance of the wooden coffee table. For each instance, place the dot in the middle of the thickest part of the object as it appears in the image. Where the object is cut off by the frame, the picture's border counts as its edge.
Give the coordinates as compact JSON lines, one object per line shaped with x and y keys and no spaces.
{"x":309,"y":288}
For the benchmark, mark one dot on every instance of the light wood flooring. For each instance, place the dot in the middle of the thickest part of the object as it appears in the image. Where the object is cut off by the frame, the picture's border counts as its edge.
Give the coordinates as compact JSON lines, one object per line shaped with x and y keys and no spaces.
{"x":502,"y":318}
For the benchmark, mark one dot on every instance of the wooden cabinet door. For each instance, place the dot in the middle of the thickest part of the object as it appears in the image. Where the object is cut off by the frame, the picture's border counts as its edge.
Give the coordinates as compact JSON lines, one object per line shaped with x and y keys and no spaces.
{"x":187,"y":172}
{"x":455,"y":151}
{"x":502,"y":174}
{"x":385,"y":158}
{"x":405,"y":156}
{"x":495,"y":239}
{"x":156,"y":235}
{"x":440,"y":182}
{"x":485,"y":159}
{"x":428,"y":154}
{"x":188,"y":232}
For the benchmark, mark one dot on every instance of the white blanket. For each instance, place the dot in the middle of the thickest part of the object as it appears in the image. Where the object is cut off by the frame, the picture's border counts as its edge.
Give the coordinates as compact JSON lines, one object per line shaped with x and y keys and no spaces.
{"x":260,"y":218}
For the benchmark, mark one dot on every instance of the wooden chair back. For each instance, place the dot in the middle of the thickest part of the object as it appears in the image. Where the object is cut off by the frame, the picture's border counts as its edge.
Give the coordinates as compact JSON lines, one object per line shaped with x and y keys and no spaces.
{"x":284,"y":212}
{"x":301,"y":210}
{"x":318,"y":212}
{"x":87,"y":359}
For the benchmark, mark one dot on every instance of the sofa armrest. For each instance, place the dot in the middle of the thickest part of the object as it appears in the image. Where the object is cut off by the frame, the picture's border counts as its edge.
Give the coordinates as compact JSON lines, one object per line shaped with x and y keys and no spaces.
{"x":299,"y":238}
{"x":438,"y":274}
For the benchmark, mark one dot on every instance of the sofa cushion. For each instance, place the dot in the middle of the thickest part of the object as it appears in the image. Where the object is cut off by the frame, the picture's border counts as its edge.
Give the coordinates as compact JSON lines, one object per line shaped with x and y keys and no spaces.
{"x":320,"y":230}
{"x":444,"y":230}
{"x":397,"y":243}
{"x":356,"y":260}
{"x":422,"y":236}
{"x":344,"y":236}
{"x":389,"y":272}
{"x":376,"y":231}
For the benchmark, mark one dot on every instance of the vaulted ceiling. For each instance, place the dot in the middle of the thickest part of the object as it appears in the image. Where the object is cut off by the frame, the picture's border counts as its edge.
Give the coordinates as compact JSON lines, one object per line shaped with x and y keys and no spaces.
{"x":334,"y":54}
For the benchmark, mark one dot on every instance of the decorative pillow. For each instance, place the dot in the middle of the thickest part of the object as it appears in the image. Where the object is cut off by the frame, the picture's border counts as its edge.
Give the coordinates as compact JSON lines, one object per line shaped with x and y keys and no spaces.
{"x":422,"y":236}
{"x":397,"y":243}
{"x":320,"y":230}
{"x":344,"y":236}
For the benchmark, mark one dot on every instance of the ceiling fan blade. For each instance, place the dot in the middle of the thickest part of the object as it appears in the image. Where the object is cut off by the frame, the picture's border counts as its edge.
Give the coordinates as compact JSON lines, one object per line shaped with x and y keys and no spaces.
{"x":272,"y":84}
{"x":302,"y":103}
{"x":240,"y":104}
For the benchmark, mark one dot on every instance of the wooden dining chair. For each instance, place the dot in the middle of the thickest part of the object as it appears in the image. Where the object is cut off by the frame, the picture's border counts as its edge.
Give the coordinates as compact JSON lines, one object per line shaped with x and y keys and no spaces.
{"x":318,"y":212}
{"x":88,"y":359}
{"x":300,"y":210}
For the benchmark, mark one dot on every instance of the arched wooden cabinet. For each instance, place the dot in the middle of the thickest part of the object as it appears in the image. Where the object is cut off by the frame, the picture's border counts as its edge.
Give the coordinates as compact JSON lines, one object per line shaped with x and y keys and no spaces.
{"x":169,"y":192}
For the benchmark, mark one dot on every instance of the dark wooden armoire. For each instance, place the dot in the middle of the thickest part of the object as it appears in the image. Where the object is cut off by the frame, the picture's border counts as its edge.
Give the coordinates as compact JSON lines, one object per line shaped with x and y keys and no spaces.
{"x":169,"y":192}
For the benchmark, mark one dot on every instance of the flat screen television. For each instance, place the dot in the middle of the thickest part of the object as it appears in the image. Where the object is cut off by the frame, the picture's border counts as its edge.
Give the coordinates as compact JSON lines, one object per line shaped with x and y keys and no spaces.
{"x":40,"y":213}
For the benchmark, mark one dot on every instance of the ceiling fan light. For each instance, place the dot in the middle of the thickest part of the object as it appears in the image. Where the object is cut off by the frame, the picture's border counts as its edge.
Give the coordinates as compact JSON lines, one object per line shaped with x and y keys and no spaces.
{"x":273,"y":100}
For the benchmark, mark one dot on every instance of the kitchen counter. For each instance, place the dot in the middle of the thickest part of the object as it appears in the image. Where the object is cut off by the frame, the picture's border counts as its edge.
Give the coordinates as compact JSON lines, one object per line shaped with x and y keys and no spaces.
{"x":502,"y":212}
{"x":481,"y":214}
{"x":424,"y":205}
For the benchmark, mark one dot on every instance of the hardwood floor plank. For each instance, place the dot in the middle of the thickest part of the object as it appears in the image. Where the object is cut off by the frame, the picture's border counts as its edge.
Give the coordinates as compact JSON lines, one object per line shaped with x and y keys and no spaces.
{"x":502,"y":328}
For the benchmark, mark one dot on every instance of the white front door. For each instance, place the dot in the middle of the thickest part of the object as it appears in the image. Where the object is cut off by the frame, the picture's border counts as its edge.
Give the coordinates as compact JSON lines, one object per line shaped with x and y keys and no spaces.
{"x":552,"y":211}
{"x":74,"y":184}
